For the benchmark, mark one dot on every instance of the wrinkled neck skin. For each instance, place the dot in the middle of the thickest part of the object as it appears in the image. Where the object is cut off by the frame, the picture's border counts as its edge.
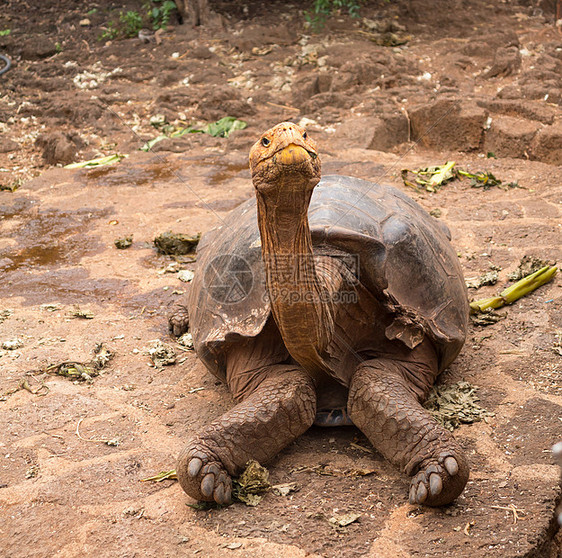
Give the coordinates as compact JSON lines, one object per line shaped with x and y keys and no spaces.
{"x":300,"y":296}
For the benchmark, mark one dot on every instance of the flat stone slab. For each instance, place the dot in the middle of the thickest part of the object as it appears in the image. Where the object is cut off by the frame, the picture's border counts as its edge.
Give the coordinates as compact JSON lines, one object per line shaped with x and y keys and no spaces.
{"x":65,"y":489}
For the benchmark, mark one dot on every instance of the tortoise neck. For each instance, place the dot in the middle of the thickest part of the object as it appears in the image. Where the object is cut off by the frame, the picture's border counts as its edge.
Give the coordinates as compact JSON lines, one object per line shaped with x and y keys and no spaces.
{"x":299,"y":300}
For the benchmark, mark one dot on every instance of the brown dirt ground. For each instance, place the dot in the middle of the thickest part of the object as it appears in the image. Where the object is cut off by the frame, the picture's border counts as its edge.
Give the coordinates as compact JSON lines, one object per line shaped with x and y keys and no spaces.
{"x":473,"y":77}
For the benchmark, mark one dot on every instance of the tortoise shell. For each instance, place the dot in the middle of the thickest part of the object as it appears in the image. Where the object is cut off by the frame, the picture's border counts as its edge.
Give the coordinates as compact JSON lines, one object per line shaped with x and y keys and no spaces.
{"x":404,"y":258}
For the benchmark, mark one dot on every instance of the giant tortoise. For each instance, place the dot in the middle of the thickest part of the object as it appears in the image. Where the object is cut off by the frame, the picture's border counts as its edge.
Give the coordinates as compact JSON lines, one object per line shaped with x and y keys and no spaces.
{"x":333,"y":300}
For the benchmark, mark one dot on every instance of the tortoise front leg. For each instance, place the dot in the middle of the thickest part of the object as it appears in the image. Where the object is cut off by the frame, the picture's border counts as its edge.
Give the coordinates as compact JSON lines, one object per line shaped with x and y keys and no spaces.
{"x":279,"y":410}
{"x":384,"y":405}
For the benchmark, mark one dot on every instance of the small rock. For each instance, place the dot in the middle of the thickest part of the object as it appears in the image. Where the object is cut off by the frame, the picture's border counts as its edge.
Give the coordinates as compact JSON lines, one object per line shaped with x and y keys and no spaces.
{"x":510,"y":137}
{"x":378,"y":133}
{"x":7,"y":145}
{"x":455,"y":124}
{"x":58,"y":147}
{"x":547,"y":145}
{"x":12,"y":344}
{"x":344,"y":520}
{"x":507,"y":61}
{"x":186,"y":275}
{"x":85,"y":22}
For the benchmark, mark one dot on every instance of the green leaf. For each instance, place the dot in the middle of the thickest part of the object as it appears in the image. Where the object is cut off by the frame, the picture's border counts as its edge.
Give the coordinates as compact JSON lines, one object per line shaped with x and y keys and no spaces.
{"x":224,"y":127}
{"x":518,"y":290}
{"x":5,"y":32}
{"x":151,"y":143}
{"x":94,"y":163}
{"x":221,"y":128}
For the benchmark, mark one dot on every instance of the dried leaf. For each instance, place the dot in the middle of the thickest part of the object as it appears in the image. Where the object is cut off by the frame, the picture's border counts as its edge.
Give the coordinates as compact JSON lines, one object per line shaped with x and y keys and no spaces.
{"x":285,"y":489}
{"x":527,"y":266}
{"x":490,"y":278}
{"x":164,"y":475}
{"x":345,"y":519}
{"x":455,"y":405}
{"x":124,"y":242}
{"x":161,"y":354}
{"x":251,"y":485}
{"x":487,"y":318}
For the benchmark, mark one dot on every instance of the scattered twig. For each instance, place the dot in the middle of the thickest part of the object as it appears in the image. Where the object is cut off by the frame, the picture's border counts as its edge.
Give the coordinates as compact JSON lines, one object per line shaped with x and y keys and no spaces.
{"x":164,"y":475}
{"x":359,"y":447}
{"x":283,"y":106}
{"x":513,"y":509}
{"x":113,"y":442}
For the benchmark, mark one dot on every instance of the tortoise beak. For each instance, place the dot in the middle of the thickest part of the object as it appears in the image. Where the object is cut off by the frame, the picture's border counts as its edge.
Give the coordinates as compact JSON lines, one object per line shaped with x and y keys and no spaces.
{"x":293,"y":154}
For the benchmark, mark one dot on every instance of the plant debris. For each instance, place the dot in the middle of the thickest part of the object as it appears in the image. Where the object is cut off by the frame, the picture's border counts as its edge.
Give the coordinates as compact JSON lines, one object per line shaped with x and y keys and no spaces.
{"x":83,"y":372}
{"x":517,"y":513}
{"x":485,"y":180}
{"x":557,"y":347}
{"x":76,"y":312}
{"x":124,"y":242}
{"x":224,"y":127}
{"x":12,"y":187}
{"x":325,"y":470}
{"x":113,"y":442}
{"x":430,"y":178}
{"x":285,"y":489}
{"x":221,"y":128}
{"x":5,"y":314}
{"x":455,"y":405}
{"x":249,"y":488}
{"x":487,"y":317}
{"x":32,"y":472}
{"x":162,"y":355}
{"x":163,"y":475}
{"x":176,"y":243}
{"x":527,"y":266}
{"x":185,"y":340}
{"x":95,"y":163}
{"x":186,"y":275}
{"x":518,"y":290}
{"x":252,"y":484}
{"x":433,"y":178}
{"x":490,"y":278}
{"x":50,"y":307}
{"x":40,"y":391}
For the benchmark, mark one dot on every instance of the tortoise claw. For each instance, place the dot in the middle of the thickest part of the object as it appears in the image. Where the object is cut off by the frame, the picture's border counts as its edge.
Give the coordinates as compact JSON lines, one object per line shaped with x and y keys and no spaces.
{"x":451,"y":465}
{"x":439,"y":480}
{"x":194,"y":467}
{"x":421,"y":493}
{"x":208,"y":486}
{"x":202,"y":475}
{"x":435,"y":484}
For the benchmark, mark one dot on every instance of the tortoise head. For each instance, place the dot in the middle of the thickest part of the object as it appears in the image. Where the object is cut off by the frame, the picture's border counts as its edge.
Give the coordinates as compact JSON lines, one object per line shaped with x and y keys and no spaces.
{"x":283,"y":160}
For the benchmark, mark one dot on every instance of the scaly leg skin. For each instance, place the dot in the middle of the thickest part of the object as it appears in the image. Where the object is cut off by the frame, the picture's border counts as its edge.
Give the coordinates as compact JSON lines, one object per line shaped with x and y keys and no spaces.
{"x":178,"y":322}
{"x":388,"y":412}
{"x":280,"y":409}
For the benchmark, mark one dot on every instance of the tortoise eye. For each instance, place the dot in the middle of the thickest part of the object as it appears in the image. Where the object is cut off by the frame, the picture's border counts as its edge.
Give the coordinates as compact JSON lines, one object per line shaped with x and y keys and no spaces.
{"x":304,"y":135}
{"x":265,"y":141}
